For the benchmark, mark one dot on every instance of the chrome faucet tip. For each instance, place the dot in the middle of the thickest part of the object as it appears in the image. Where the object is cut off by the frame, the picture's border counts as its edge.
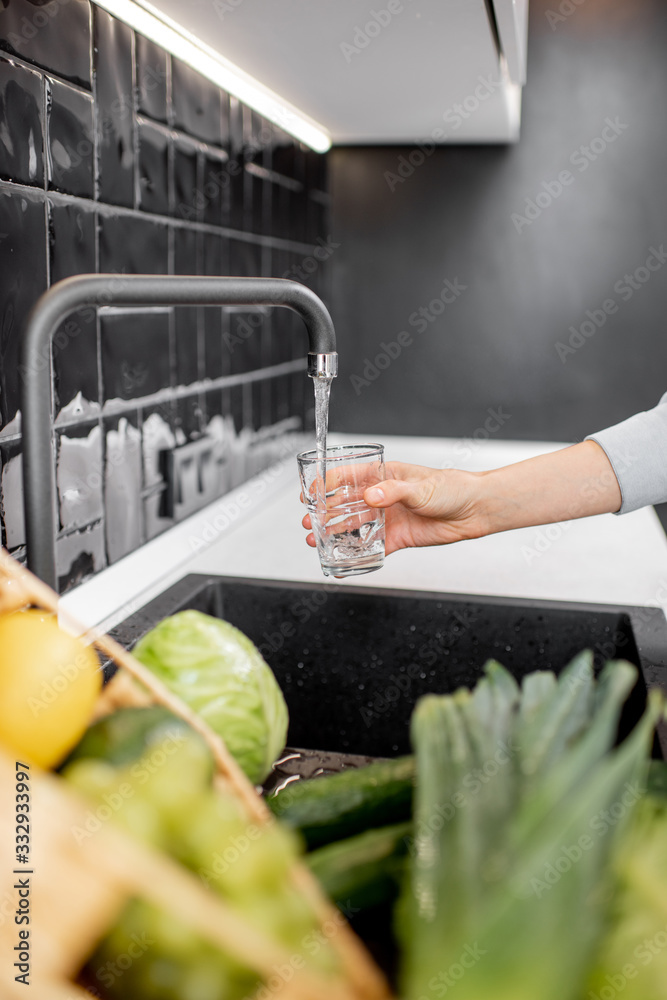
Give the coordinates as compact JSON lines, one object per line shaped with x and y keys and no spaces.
{"x":323,"y":365}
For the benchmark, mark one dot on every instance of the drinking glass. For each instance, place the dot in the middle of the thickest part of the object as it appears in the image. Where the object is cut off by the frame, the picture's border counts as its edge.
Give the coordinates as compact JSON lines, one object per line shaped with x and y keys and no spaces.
{"x":348,"y":533}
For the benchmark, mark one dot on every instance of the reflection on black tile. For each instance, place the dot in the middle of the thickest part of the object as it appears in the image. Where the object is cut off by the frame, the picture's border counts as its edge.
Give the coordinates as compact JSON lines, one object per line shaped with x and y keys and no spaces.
{"x":55,"y":36}
{"x":21,"y":109}
{"x":158,"y":435}
{"x":123,"y":475}
{"x":188,"y":200}
{"x":153,"y":168}
{"x":11,"y":496}
{"x":185,"y":318}
{"x":280,"y":403}
{"x":301,"y":402}
{"x":237,"y":408}
{"x":196,"y":103}
{"x":71,"y":140}
{"x":72,"y":251}
{"x":151,"y":78}
{"x":213,"y":263}
{"x":190,"y":418}
{"x":79,"y":555}
{"x":133,"y":245}
{"x":216,"y":188}
{"x":135,"y":352}
{"x":23,"y":270}
{"x":79,"y":476}
{"x":244,"y":339}
{"x":114,"y":76}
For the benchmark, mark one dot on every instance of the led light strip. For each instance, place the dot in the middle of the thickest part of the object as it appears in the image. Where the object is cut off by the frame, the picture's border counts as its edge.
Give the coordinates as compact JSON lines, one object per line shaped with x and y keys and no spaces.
{"x":147,"y":20}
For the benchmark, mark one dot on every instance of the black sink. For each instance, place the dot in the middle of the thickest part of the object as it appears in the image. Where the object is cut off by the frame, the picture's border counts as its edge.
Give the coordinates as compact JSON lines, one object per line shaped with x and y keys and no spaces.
{"x":352,"y":661}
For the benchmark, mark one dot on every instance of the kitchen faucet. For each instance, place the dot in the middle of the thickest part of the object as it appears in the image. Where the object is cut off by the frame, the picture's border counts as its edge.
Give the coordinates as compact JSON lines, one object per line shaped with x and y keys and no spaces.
{"x":138,"y":290}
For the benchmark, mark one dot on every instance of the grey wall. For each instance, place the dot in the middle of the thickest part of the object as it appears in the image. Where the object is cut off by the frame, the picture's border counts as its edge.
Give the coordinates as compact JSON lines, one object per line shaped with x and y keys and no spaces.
{"x":526,"y":284}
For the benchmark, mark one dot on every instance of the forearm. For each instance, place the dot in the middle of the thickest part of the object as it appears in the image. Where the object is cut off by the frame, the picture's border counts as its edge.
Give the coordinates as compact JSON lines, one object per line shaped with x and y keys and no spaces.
{"x":570,"y":483}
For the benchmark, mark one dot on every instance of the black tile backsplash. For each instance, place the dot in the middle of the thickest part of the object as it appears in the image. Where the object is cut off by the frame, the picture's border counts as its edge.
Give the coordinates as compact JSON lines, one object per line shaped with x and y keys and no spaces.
{"x":23,"y":270}
{"x":153,"y":168}
{"x":113,"y":53}
{"x":116,"y":157}
{"x":54,"y":36}
{"x":21,"y":109}
{"x":71,"y":139}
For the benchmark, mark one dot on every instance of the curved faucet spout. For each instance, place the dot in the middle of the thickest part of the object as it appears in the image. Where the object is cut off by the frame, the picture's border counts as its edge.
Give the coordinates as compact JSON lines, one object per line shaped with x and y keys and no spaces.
{"x":74,"y":293}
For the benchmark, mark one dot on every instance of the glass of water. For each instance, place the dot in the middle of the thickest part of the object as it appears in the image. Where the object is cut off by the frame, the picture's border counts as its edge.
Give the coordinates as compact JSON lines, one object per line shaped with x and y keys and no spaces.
{"x":348,"y":533}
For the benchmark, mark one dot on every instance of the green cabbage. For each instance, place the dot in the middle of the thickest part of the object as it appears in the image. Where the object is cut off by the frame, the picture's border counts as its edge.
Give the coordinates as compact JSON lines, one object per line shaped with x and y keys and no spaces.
{"x":219,"y":672}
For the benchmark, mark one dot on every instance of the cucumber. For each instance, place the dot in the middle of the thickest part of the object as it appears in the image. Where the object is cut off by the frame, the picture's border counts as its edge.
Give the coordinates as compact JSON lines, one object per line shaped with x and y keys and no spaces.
{"x":339,"y":806}
{"x":365,"y":870}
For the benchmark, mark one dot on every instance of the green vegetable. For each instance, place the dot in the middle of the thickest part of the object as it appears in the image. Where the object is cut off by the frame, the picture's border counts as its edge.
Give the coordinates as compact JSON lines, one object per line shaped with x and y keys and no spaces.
{"x":128,"y":733}
{"x":338,"y":806}
{"x":168,"y":802}
{"x":656,"y":784}
{"x":219,"y":673}
{"x":365,"y":870}
{"x":632,"y":960}
{"x":519,"y":802}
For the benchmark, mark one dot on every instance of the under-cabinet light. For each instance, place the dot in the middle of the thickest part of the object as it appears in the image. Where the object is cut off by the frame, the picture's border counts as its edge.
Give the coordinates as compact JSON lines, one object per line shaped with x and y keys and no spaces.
{"x":149,"y":21}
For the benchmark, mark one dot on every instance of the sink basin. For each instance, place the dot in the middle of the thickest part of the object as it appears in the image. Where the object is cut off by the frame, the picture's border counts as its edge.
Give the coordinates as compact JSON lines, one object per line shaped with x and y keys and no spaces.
{"x":352,"y":661}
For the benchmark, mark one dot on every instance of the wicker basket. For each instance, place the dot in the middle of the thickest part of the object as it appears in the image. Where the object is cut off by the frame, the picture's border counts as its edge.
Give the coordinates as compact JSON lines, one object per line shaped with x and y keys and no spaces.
{"x":80,"y":889}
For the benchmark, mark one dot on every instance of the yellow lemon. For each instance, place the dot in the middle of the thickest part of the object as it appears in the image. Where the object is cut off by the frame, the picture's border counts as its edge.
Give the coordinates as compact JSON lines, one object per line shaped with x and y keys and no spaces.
{"x":49,"y":683}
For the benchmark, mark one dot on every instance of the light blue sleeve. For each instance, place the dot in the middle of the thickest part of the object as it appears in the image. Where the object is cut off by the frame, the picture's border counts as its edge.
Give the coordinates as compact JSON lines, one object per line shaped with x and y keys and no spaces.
{"x":637,"y":450}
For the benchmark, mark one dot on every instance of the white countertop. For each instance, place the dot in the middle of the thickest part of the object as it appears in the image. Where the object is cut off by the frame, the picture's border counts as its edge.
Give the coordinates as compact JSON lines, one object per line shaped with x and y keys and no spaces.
{"x":255,"y":531}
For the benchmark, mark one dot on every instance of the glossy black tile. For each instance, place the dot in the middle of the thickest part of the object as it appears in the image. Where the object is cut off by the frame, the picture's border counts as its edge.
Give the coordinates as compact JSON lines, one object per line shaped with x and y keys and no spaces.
{"x":186,"y":318}
{"x":196,"y":103}
{"x":11,"y":496}
{"x":114,"y":74}
{"x":23,"y":270}
{"x":153,"y":168}
{"x":55,"y":36}
{"x":79,"y":476}
{"x":280,"y":398}
{"x":190,"y":418}
{"x":135,"y":353}
{"x":79,"y":555}
{"x":21,"y":112}
{"x":152,"y":78}
{"x":244,"y":338}
{"x":214,"y":203}
{"x":158,"y":438}
{"x":124,"y":522}
{"x":133,"y":245}
{"x":214,"y":261}
{"x":188,"y":197}
{"x":71,"y":140}
{"x":72,"y":251}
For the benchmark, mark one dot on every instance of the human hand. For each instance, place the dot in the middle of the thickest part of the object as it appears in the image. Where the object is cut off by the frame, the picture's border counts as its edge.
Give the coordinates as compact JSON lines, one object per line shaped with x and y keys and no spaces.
{"x":424,"y":506}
